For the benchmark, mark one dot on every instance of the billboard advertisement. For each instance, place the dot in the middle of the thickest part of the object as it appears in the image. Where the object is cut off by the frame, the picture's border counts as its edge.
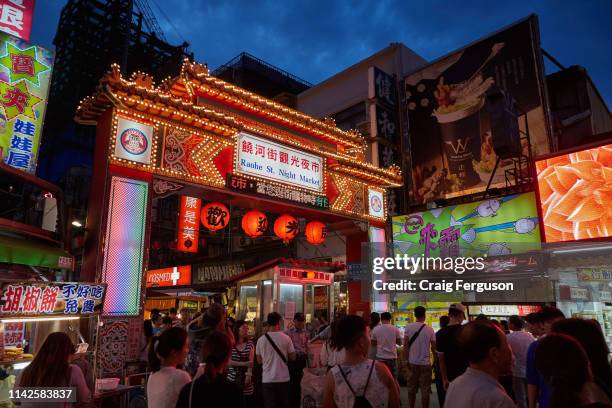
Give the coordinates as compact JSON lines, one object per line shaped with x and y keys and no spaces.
{"x":499,"y":226}
{"x":25,"y":72}
{"x":575,"y":194}
{"x":451,"y":145}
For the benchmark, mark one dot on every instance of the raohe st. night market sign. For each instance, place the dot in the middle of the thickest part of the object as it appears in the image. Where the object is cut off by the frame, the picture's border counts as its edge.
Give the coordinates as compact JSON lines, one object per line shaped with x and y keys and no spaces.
{"x":51,"y":298}
{"x":262,"y":158}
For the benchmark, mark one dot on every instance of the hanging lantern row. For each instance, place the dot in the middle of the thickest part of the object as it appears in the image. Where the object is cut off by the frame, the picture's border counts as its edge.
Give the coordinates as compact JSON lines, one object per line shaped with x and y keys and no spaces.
{"x":255,"y":223}
{"x":215,"y":216}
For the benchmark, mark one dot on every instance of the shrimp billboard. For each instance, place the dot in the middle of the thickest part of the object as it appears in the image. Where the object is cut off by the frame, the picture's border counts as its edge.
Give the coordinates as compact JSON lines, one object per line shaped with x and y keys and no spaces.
{"x":575,"y":194}
{"x":497,"y":226}
{"x":450,"y":141}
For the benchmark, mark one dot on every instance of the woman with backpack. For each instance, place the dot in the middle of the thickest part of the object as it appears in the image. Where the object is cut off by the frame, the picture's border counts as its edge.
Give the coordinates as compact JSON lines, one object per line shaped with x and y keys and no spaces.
{"x":359,"y":382}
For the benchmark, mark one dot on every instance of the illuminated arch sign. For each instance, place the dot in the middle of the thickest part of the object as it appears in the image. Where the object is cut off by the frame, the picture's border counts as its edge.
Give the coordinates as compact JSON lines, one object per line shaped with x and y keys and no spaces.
{"x":262,"y":158}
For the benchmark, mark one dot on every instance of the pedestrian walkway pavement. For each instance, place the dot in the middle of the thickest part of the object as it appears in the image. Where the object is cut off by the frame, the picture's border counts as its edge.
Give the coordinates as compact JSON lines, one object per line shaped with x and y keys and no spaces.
{"x":433,"y":399}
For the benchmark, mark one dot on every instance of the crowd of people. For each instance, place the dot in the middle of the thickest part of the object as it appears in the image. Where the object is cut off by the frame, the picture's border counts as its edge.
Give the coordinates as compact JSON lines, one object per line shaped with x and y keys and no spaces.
{"x":544,"y":360}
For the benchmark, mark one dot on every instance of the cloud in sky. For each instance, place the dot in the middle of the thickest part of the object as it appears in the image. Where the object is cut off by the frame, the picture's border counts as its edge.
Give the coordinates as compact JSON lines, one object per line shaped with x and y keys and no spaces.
{"x":316,"y":39}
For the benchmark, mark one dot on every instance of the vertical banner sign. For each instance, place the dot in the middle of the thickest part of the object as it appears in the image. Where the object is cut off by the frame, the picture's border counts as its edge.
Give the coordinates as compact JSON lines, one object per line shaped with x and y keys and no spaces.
{"x":25,"y":72}
{"x":188,"y":233}
{"x":385,"y":126}
{"x":124,"y":246}
{"x":16,"y":17}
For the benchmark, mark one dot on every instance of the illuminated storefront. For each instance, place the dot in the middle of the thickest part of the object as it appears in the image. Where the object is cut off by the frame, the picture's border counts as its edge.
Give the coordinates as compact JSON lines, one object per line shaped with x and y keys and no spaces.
{"x":197,"y":170}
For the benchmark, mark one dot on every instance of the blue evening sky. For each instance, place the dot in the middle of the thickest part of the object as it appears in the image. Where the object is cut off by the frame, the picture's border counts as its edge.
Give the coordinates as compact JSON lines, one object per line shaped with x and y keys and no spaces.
{"x":315,"y":39}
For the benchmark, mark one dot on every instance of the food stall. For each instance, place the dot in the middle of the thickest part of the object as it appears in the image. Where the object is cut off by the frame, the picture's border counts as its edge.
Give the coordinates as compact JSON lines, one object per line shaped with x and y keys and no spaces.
{"x":501,"y":312}
{"x":31,"y":310}
{"x":286,"y":286}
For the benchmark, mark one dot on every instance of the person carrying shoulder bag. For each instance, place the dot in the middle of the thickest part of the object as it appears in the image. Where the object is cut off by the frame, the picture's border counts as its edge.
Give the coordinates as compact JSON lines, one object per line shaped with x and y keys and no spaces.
{"x":419,"y":339}
{"x":274,"y":350}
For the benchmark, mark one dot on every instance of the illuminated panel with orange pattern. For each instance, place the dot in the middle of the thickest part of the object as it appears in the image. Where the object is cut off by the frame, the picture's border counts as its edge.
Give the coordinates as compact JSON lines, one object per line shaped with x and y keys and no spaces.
{"x":576,"y":194}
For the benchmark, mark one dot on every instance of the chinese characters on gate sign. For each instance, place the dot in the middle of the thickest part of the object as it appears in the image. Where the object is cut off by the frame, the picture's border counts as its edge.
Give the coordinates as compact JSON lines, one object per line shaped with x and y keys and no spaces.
{"x":263,"y":158}
{"x":277,"y":191}
{"x":39,"y":299}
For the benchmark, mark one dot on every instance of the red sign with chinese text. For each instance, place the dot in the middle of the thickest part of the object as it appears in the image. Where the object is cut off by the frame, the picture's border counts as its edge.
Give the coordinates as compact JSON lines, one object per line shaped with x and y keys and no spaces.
{"x":16,"y":17}
{"x":306,"y":276}
{"x":188,"y":233}
{"x":175,"y":276}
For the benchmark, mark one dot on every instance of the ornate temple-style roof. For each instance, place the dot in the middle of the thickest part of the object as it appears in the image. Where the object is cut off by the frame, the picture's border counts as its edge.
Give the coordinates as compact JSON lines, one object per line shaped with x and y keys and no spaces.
{"x":199,"y":100}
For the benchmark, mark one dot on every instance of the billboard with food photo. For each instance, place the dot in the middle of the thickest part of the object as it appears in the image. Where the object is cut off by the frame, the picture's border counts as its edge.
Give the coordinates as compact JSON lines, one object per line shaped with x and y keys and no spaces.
{"x":576,"y":194}
{"x":450,"y":134}
{"x":497,"y":226}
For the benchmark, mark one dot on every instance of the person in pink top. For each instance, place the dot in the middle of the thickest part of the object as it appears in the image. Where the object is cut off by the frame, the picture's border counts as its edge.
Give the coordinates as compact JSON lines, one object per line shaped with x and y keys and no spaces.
{"x":51,"y":368}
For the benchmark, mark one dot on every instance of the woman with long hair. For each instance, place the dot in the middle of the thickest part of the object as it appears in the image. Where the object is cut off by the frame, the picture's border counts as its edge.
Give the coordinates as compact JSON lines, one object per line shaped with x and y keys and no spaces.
{"x":566,"y":369}
{"x":359,"y":380}
{"x":212,"y":388}
{"x":166,"y":352}
{"x":240,"y":370}
{"x":331,"y":352}
{"x":51,"y":368}
{"x":591,"y":337}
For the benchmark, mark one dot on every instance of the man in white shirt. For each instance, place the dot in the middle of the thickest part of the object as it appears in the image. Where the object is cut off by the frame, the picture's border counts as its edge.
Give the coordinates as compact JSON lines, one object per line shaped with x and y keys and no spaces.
{"x":274,"y":350}
{"x":519,"y":341}
{"x":386,"y":337}
{"x":489,"y":356}
{"x":419,"y":340}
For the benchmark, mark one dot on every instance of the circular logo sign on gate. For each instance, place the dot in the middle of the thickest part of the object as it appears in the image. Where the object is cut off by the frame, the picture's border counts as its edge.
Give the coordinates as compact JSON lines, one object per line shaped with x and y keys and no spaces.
{"x":375,"y":203}
{"x":134,"y":141}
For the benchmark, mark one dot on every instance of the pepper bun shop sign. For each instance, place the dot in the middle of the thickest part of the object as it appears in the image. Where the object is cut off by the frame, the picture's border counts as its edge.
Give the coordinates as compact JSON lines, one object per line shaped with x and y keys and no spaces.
{"x":33,"y":299}
{"x":262,"y":158}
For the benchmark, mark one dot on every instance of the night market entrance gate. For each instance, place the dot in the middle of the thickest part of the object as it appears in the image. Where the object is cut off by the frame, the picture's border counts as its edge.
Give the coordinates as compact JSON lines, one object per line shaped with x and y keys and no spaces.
{"x":218,"y":147}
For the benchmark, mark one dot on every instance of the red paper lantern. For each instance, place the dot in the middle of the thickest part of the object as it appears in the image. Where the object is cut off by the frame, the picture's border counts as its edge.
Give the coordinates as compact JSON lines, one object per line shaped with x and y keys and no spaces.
{"x":316,"y":232}
{"x":215,"y":216}
{"x":286,"y":227}
{"x":254,"y":223}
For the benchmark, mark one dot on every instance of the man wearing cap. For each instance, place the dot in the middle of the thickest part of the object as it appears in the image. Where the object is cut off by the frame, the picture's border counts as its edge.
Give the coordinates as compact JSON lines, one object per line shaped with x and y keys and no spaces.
{"x":452,"y":360}
{"x":299,"y":338}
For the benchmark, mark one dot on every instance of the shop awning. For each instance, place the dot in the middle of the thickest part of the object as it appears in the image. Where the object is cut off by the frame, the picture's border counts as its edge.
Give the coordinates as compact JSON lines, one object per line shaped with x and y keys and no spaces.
{"x":34,"y":253}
